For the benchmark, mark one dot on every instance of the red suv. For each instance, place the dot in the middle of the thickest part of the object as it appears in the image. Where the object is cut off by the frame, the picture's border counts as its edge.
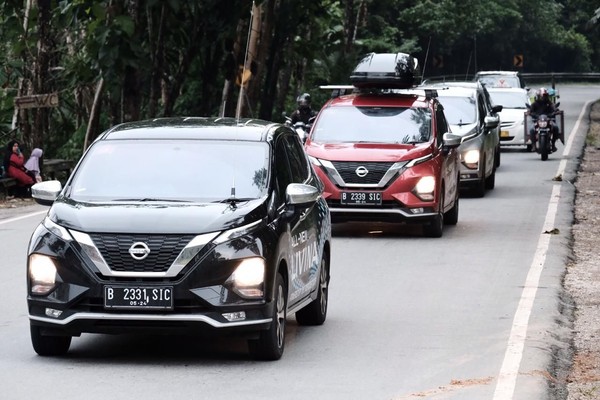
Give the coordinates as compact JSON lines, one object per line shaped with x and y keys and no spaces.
{"x":386,"y":154}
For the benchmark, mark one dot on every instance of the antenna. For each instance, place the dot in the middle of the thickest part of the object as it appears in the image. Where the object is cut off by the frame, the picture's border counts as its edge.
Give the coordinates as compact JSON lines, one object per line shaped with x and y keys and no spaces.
{"x":425,"y":63}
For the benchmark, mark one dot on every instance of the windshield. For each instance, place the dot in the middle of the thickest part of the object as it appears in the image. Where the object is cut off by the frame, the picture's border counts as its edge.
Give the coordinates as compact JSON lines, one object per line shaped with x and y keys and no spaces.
{"x":491,"y":81}
{"x":171,"y":170}
{"x":373,"y":125}
{"x":459,"y":110}
{"x":509,"y":99}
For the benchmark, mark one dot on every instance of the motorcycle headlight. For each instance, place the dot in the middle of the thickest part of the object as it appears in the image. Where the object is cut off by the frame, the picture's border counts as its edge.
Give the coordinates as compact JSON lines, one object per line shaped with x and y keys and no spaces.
{"x":542,"y":124}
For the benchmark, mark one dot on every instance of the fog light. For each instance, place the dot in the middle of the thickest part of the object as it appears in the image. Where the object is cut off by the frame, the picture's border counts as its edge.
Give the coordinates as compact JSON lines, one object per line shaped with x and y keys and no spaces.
{"x":417,"y":210}
{"x":51,"y":312}
{"x":235,"y":316}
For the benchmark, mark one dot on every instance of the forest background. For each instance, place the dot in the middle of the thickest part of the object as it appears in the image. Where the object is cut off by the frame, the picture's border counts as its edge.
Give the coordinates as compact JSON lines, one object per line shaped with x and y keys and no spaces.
{"x":71,"y":69}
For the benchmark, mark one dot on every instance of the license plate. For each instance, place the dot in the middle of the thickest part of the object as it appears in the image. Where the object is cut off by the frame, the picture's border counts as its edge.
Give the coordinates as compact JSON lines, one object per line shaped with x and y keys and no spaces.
{"x":138,"y":297}
{"x":361,"y":198}
{"x":504,"y":134}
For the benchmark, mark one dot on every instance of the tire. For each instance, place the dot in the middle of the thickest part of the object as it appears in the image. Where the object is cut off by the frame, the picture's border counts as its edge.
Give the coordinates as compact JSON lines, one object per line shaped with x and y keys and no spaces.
{"x":544,"y":147}
{"x":435,"y":227}
{"x":498,"y":157}
{"x":451,"y":217}
{"x":48,"y":345}
{"x":271,"y":342}
{"x":315,"y":312}
{"x":490,"y":181}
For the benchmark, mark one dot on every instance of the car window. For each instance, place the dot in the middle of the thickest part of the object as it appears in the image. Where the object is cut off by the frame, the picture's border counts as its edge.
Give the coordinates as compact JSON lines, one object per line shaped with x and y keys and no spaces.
{"x":373,"y":125}
{"x":483,"y":110}
{"x":459,"y":110}
{"x":441,"y":123}
{"x":298,"y":161}
{"x":282,"y":167}
{"x":184,"y":170}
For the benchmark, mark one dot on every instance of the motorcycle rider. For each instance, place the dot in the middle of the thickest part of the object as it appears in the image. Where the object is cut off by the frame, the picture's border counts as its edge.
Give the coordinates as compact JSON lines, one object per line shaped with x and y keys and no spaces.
{"x":543,"y":105}
{"x":304,"y":112}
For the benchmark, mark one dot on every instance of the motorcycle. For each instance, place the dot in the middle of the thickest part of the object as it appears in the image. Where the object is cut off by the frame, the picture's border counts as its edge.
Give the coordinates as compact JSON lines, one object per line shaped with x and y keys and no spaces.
{"x":300,"y":127}
{"x":542,"y":127}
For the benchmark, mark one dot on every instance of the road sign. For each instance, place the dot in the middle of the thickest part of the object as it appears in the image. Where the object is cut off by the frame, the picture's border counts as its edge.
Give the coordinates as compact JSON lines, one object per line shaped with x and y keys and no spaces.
{"x":518,"y":60}
{"x":37,"y":101}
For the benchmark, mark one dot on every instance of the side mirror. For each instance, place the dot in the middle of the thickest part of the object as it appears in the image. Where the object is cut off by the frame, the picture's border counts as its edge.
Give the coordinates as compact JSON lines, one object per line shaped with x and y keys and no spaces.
{"x":491,"y":122}
{"x":450,"y":141}
{"x":497,"y":109}
{"x":299,"y":193}
{"x":46,"y":192}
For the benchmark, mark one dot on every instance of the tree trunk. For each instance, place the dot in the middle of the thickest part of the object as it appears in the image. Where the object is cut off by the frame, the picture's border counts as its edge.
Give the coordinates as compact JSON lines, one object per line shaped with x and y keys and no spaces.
{"x":250,"y":60}
{"x":158,"y":59}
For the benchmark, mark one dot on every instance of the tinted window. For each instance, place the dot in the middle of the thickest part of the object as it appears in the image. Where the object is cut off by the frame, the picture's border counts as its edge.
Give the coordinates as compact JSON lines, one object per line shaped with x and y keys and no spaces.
{"x":297,"y":159}
{"x":373,"y":125}
{"x":188,"y":170}
{"x":282,"y":167}
{"x":500,"y":81}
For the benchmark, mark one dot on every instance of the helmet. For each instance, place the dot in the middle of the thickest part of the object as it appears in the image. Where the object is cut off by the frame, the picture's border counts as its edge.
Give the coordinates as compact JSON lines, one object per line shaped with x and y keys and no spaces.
{"x":542,"y":94}
{"x":303,"y":100}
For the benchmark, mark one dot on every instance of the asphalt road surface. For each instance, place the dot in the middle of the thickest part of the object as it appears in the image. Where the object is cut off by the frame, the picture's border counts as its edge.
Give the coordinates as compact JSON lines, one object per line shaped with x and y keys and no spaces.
{"x":475,"y":314}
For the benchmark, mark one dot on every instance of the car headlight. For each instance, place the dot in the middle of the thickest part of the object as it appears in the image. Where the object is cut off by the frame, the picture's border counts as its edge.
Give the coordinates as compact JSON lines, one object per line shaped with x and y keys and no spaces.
{"x":425,"y":188}
{"x":471,"y":158}
{"x":249,"y":277}
{"x":42,"y":272}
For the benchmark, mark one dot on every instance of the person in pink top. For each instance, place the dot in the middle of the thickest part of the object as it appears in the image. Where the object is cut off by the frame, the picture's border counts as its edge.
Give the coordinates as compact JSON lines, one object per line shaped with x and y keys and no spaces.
{"x":14,"y":165}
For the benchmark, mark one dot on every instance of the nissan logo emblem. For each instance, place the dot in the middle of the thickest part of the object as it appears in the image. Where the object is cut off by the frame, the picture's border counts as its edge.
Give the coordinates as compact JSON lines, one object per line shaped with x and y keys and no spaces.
{"x":361,"y":171}
{"x":139,"y":250}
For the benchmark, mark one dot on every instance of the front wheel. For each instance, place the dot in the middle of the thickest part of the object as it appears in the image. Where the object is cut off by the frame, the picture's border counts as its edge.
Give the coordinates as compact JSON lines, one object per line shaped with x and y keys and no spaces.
{"x":271,"y":342}
{"x":435,"y":227}
{"x":543,"y":144}
{"x":48,"y":345}
{"x":315,"y":312}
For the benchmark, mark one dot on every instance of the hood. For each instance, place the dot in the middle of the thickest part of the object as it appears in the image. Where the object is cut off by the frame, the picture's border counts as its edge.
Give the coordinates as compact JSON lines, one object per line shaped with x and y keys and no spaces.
{"x":368,"y":152}
{"x":165,"y":218}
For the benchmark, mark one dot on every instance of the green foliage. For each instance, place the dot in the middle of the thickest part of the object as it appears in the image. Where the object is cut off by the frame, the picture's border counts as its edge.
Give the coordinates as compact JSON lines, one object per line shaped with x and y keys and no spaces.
{"x":314,"y":43}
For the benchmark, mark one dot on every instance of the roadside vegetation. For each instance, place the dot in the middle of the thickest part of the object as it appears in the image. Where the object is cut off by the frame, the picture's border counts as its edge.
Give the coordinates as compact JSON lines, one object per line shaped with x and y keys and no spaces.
{"x":112,"y":61}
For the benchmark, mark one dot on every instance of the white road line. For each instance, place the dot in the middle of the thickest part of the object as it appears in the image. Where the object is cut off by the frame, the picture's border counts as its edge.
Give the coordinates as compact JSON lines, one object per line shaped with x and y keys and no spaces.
{"x":8,"y":221}
{"x":507,"y":378}
{"x":563,"y":162}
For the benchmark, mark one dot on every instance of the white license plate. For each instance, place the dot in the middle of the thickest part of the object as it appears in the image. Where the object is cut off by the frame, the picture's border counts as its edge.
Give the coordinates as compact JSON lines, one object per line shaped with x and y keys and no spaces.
{"x":361,"y":198}
{"x":139,"y":297}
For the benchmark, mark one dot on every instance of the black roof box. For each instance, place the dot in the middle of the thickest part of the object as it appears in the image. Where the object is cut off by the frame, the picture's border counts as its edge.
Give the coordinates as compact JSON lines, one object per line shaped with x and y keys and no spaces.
{"x":385,"y":71}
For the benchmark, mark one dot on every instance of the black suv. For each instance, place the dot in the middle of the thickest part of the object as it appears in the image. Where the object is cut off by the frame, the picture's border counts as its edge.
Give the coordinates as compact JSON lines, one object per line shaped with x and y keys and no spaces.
{"x":184,"y":225}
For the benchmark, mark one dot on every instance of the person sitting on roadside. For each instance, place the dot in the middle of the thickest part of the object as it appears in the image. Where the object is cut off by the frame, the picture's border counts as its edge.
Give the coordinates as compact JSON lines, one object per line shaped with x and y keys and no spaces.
{"x":13,"y":165}
{"x":33,"y":165}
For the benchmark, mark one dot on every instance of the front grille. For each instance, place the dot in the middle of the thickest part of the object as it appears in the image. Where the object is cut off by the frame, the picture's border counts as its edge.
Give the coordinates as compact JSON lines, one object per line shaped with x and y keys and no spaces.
{"x":164,"y":249}
{"x":376,"y":171}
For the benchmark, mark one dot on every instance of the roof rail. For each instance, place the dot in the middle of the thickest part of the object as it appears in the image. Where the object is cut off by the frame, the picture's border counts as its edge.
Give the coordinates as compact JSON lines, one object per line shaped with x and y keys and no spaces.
{"x":340,"y":90}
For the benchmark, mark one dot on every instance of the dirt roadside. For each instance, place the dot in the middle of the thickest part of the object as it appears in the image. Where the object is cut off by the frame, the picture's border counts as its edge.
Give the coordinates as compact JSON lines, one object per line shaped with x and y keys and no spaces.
{"x":582,"y":277}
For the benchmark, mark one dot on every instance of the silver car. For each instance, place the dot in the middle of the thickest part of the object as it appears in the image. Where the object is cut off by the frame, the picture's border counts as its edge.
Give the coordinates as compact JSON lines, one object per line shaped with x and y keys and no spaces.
{"x":471,"y":114}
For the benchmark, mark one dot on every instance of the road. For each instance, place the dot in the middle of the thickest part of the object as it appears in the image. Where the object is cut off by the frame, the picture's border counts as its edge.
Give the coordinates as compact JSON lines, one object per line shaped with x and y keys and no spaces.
{"x":473,"y":315}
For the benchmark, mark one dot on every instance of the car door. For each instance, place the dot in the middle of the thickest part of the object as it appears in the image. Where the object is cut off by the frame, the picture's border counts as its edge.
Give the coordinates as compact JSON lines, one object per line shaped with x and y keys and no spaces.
{"x":489,"y":136}
{"x":301,"y":221}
